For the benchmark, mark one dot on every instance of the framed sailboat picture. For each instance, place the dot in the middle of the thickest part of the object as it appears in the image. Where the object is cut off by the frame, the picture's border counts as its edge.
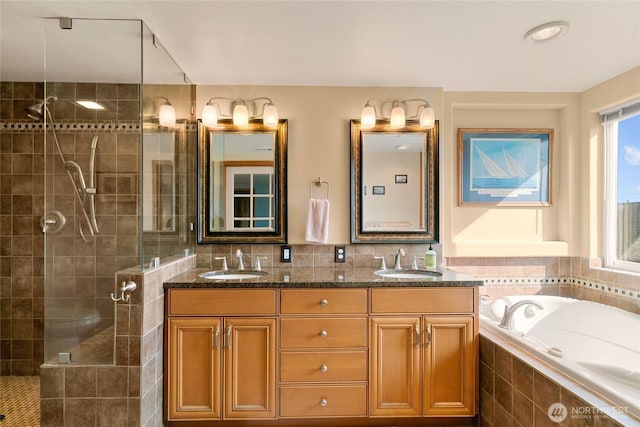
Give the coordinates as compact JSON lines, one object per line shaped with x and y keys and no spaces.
{"x":505,"y":166}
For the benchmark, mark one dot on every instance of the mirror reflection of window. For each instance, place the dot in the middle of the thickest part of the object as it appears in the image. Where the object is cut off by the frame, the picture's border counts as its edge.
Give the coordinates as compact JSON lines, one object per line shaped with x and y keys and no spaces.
{"x":158,"y":176}
{"x":250,"y":197}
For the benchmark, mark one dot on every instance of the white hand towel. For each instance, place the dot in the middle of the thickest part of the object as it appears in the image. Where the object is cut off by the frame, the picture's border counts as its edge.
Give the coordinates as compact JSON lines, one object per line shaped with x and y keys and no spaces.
{"x":318,"y":221}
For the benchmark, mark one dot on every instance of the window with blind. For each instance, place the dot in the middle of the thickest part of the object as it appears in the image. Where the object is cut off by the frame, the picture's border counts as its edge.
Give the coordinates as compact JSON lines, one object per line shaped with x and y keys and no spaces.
{"x":622,"y":186}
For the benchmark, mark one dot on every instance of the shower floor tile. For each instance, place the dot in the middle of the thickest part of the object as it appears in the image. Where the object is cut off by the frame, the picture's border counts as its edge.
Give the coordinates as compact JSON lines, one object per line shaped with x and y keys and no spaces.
{"x":20,"y":401}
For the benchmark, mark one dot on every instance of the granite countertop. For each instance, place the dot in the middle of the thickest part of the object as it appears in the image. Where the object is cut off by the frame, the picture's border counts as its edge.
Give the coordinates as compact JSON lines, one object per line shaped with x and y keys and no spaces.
{"x":320,"y":277}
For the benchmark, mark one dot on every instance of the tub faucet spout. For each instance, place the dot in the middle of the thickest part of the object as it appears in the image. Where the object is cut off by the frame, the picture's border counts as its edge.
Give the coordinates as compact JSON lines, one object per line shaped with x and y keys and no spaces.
{"x":509,"y":311}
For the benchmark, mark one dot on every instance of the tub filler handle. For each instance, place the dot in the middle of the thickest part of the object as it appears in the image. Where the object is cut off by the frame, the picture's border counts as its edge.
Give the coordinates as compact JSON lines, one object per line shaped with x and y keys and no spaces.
{"x":509,"y":311}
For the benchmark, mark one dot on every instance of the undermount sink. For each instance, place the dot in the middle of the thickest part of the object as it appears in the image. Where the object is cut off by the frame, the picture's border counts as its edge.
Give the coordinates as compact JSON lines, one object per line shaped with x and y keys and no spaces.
{"x":232,"y":274}
{"x":409,"y":274}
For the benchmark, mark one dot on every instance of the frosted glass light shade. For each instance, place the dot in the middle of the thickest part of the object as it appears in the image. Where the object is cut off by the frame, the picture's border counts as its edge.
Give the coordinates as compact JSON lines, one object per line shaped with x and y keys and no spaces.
{"x":241,"y":115}
{"x":210,"y":115}
{"x":167,"y":115}
{"x":368,"y":117}
{"x":397,"y":117}
{"x":270,"y":115}
{"x":427,"y":118}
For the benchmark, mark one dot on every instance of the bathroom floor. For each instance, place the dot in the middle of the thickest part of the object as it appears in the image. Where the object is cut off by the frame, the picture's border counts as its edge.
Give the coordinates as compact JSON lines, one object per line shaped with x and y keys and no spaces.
{"x":20,"y":401}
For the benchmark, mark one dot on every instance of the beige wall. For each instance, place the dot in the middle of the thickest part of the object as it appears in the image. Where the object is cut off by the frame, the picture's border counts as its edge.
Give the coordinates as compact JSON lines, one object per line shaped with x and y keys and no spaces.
{"x":319,"y":143}
{"x":608,"y":94}
{"x":319,"y":147}
{"x":487,"y":230}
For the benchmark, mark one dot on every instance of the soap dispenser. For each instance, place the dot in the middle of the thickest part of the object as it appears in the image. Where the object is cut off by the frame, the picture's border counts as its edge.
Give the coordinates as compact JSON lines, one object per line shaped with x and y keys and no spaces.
{"x":430,"y":258}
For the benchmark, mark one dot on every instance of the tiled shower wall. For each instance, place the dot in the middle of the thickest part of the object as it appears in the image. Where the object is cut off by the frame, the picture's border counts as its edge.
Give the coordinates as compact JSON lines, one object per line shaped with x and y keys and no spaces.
{"x":84,"y":272}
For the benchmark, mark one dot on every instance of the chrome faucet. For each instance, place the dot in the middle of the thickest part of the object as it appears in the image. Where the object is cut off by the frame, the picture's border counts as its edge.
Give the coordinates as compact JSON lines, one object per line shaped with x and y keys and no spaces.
{"x":240,"y":256}
{"x":224,"y":262}
{"x":399,"y":256}
{"x":507,"y":317}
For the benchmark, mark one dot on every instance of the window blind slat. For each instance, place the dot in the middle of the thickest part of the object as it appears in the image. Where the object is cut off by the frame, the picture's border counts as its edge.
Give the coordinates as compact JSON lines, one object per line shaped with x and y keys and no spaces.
{"x":620,"y":113}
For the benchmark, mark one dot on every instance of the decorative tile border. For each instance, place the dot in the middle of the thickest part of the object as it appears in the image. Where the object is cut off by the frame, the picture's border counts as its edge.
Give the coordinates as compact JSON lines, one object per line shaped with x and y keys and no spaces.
{"x":603,"y":287}
{"x":561,"y":281}
{"x":74,"y":126}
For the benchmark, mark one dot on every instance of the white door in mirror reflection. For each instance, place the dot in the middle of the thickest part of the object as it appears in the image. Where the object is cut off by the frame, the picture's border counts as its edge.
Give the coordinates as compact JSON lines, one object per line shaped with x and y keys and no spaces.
{"x":249,"y":198}
{"x":158,"y":174}
{"x":393,"y":168}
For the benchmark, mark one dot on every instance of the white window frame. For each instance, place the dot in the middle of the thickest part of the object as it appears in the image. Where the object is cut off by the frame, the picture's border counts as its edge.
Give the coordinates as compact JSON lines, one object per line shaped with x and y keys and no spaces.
{"x":610,"y":120}
{"x":230,"y":195}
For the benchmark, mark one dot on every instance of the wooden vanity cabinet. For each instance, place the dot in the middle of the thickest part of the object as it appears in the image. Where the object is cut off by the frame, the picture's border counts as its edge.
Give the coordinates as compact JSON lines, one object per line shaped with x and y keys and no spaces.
{"x":312,"y":355}
{"x":425,"y":364}
{"x":221,"y":367}
{"x":323,"y":353}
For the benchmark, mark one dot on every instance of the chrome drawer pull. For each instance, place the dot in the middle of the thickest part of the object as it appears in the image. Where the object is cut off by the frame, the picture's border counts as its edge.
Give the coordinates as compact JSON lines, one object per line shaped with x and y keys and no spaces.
{"x":323,"y":402}
{"x":323,"y":333}
{"x":324,"y":368}
{"x":216,"y":338}
{"x":324,"y":302}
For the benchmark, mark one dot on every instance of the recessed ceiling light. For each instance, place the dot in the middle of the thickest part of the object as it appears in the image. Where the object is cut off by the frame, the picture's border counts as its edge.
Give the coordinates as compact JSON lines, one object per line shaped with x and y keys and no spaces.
{"x":91,"y":105}
{"x":546,"y":32}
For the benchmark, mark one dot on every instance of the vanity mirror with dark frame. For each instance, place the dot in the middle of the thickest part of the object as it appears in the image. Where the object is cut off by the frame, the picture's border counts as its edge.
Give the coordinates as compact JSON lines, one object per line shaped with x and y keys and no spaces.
{"x":242,"y":182}
{"x":394,"y":184}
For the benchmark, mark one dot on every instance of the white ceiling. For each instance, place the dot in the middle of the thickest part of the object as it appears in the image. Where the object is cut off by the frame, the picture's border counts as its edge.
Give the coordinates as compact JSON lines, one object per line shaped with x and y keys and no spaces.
{"x":457,"y":45}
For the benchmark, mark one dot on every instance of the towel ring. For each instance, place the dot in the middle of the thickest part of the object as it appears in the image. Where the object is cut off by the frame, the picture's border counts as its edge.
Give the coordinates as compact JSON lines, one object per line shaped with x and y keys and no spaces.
{"x":318,"y":182}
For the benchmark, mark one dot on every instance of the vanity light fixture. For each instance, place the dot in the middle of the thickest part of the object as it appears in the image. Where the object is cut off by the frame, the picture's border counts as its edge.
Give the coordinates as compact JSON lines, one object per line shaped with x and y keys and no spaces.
{"x":396,"y":112}
{"x":241,"y":111}
{"x":546,"y":32}
{"x":166,"y":114}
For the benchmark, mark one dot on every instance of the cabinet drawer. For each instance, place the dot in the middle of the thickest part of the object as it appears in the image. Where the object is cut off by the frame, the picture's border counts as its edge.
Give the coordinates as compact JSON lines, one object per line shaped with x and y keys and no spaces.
{"x":323,"y":332}
{"x":323,"y":401}
{"x":220,"y":302}
{"x":323,"y":301}
{"x":323,"y":367}
{"x":431,"y":300}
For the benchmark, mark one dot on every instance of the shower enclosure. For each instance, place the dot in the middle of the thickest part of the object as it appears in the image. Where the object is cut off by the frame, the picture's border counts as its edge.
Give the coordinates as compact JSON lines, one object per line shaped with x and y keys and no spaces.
{"x":105,"y":81}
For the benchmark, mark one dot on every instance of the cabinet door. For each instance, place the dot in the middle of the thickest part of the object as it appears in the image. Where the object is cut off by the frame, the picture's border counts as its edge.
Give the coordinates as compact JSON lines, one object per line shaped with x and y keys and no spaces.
{"x":394,"y":381}
{"x":449,"y":366}
{"x":250,"y":368}
{"x":194,"y":368}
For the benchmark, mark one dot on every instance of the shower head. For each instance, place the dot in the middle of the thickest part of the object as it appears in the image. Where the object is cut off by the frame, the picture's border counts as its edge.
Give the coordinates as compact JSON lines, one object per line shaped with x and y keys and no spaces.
{"x":36,"y":111}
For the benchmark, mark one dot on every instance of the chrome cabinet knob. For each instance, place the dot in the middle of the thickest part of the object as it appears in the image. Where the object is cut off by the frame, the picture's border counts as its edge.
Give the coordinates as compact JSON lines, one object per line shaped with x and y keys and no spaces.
{"x":324,"y":302}
{"x":324,"y":368}
{"x":323,"y":402}
{"x":323,"y":333}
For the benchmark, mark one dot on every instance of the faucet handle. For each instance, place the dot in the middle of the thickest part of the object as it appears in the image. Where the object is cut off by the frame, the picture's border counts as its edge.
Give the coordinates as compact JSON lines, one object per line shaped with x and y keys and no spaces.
{"x":224,"y":262}
{"x":414,"y":263}
{"x":383,"y":266}
{"x":257,"y":266}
